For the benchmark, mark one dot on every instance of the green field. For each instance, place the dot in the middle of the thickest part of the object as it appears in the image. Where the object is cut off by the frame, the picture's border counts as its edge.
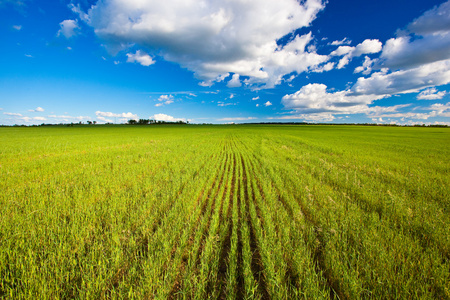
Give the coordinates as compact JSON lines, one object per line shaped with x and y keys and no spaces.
{"x":225,"y":212}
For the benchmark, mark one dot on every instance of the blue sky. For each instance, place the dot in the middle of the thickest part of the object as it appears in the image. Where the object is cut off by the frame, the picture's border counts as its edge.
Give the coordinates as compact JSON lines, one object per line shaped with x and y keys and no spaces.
{"x":216,"y":61}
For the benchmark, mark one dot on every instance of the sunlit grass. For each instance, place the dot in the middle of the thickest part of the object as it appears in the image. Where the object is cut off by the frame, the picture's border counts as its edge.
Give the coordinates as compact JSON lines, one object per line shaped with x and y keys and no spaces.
{"x":224,"y":212}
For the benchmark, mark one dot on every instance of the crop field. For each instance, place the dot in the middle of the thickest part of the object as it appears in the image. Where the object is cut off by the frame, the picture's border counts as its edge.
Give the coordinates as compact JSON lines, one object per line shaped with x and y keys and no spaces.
{"x":224,"y":212}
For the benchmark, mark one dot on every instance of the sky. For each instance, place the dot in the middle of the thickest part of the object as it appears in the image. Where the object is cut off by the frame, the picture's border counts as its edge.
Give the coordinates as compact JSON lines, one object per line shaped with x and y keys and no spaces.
{"x":224,"y":61}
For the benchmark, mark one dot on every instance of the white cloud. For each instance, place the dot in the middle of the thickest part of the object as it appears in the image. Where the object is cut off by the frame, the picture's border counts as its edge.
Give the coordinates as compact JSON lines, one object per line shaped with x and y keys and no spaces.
{"x":213,"y":38}
{"x":222,"y":104}
{"x":431,"y":94}
{"x":366,"y":47}
{"x":421,"y":61}
{"x":67,"y":118}
{"x":12,"y":114}
{"x":1,"y":108}
{"x":77,"y":10}
{"x":425,"y":40}
{"x":343,"y":62}
{"x":103,"y":119}
{"x":313,"y":118}
{"x":165,"y":99}
{"x":435,"y":110}
{"x":17,"y":27}
{"x":37,"y":109}
{"x":268,"y":103}
{"x":32,"y":119}
{"x":68,"y":28}
{"x":140,"y":57}
{"x":234,"y":82}
{"x":344,"y":41}
{"x":404,"y":81}
{"x":255,"y":98}
{"x":366,"y":68}
{"x":102,"y":115}
{"x":29,"y":55}
{"x":434,"y":21}
{"x":314,"y":98}
{"x":420,"y":64}
{"x":320,"y":69}
{"x":39,"y":118}
{"x":166,"y":118}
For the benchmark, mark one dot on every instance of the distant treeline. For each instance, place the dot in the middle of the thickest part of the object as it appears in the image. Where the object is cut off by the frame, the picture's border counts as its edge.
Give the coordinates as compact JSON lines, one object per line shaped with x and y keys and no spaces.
{"x":152,"y":122}
{"x":155,"y":122}
{"x":347,"y":124}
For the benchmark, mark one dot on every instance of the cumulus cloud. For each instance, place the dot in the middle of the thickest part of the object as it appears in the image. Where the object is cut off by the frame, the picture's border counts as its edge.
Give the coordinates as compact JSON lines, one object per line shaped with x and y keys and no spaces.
{"x":141,"y":58}
{"x":416,"y":61}
{"x":234,"y":82}
{"x":37,"y":109}
{"x":314,"y":98}
{"x":431,"y":94}
{"x":166,"y":118}
{"x":103,"y":116}
{"x":17,"y":27}
{"x":366,"y":47}
{"x":434,"y":21}
{"x":68,"y":28}
{"x":404,"y":81}
{"x":255,"y":98}
{"x":268,"y":103}
{"x":425,"y":40}
{"x":213,"y":38}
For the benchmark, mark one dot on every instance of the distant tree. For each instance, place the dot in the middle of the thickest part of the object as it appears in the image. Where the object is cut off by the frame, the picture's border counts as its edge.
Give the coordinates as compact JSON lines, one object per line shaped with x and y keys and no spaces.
{"x":95,"y":122}
{"x":143,"y":121}
{"x":89,"y":122}
{"x":132,"y":122}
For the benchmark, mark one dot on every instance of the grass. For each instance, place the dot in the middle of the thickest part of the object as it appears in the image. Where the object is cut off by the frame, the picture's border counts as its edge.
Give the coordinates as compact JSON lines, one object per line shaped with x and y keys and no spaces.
{"x":243,"y":211}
